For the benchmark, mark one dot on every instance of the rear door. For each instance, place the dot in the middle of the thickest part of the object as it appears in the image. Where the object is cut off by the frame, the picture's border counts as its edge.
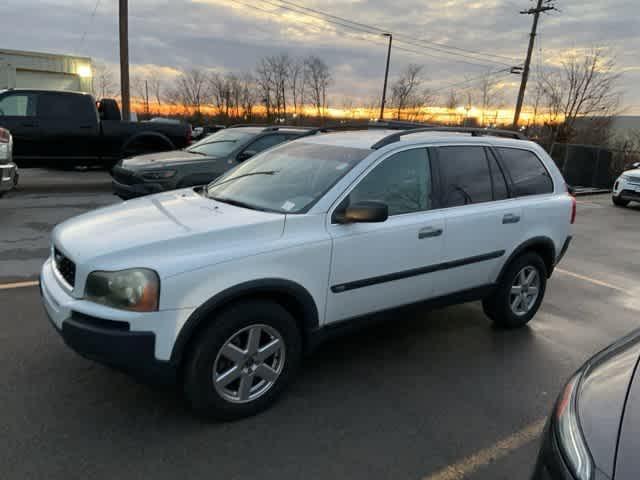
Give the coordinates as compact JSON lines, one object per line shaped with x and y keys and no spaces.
{"x":69,"y":126}
{"x":18,"y":115}
{"x":481,"y":223}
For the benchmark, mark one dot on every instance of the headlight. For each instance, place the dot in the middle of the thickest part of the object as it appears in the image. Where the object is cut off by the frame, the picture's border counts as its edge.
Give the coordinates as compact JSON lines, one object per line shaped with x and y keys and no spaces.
{"x":159,"y":174}
{"x":137,"y":289}
{"x":569,"y":433}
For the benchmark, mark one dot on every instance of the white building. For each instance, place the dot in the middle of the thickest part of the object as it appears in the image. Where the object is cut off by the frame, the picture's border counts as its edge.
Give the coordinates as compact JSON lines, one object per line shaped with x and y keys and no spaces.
{"x":49,"y":71}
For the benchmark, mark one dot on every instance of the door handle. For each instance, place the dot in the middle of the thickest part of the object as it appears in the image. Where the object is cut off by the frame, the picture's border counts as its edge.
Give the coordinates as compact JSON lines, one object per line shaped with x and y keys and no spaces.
{"x":429,"y":232}
{"x":510,"y":218}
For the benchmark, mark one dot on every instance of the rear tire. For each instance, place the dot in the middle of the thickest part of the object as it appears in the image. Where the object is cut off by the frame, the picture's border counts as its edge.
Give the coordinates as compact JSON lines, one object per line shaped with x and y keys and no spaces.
{"x":257,"y":381}
{"x":618,"y":202}
{"x":520,"y":292}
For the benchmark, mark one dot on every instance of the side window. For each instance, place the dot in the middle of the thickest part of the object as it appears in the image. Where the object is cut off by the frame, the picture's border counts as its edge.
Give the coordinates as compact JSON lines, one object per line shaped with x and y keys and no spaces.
{"x":464,"y":176}
{"x":500,"y":191}
{"x":60,"y":106}
{"x":528,"y":174}
{"x":17,"y":105}
{"x":263,"y":143}
{"x":402,"y":181}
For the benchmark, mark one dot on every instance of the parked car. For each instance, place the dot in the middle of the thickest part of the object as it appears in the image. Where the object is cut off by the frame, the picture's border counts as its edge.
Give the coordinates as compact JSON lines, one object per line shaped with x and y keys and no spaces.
{"x":198,"y":164}
{"x":64,"y":129}
{"x":593,"y":432}
{"x":223,"y":288}
{"x":627,"y":187}
{"x":8,"y":169}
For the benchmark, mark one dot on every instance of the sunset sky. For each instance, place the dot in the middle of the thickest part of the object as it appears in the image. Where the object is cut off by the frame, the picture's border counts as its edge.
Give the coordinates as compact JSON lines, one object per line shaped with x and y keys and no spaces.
{"x":233,"y":34}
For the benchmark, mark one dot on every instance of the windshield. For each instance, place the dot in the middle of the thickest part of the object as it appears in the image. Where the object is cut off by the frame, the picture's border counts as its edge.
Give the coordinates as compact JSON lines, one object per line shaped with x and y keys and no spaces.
{"x":287,"y":179}
{"x":219,"y":144}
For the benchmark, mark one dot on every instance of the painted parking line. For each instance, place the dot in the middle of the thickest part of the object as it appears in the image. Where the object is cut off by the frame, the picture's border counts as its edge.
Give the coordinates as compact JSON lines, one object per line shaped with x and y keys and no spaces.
{"x":595,"y":281}
{"x":482,"y":458}
{"x":10,"y":286}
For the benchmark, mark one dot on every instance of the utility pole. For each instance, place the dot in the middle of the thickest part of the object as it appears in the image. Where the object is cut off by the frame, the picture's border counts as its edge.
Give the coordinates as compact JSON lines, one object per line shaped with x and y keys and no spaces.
{"x":386,"y":76}
{"x":124,"y":59}
{"x":543,"y":6}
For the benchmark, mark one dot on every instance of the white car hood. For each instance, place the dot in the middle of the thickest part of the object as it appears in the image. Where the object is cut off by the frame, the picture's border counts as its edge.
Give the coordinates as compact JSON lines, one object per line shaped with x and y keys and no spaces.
{"x":149,"y":230}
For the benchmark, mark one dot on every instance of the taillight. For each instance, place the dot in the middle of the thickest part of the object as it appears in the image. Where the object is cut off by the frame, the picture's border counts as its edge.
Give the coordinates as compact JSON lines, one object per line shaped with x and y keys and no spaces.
{"x":574,"y":205}
{"x":189,"y":134}
{"x":4,"y":135}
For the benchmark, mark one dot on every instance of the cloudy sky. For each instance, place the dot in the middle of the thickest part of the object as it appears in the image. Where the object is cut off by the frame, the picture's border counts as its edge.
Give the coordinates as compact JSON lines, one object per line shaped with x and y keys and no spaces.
{"x":231,"y":35}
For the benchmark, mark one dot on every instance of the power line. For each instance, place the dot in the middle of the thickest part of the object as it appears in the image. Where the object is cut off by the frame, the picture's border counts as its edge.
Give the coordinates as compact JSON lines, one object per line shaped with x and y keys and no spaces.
{"x":372,"y":30}
{"x":471,"y":80}
{"x":359,"y":29}
{"x":93,"y":14}
{"x":412,"y":40}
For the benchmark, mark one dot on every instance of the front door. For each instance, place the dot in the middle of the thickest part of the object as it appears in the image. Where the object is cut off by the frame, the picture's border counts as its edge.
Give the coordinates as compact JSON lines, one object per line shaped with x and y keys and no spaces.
{"x":482,"y":223}
{"x":376,"y":266}
{"x":69,"y":127}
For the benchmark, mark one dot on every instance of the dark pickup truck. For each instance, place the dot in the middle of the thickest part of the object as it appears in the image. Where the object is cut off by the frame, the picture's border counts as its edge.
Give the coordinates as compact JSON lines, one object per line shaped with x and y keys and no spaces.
{"x":65,"y":129}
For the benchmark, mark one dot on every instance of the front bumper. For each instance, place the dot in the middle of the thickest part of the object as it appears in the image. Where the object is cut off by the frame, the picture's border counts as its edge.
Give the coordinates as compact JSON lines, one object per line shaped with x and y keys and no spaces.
{"x":625,"y":189}
{"x":8,"y":176}
{"x":109,"y":341}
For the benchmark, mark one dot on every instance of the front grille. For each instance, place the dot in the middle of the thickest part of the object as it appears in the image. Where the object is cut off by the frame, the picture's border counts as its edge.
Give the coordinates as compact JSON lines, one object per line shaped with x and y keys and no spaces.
{"x":628,"y":194}
{"x":66,"y":268}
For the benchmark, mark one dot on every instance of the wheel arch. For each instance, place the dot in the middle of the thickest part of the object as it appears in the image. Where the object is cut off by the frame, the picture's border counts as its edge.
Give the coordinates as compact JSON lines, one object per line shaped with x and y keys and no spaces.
{"x":290,"y":295}
{"x":543,"y":246}
{"x":148,"y":136}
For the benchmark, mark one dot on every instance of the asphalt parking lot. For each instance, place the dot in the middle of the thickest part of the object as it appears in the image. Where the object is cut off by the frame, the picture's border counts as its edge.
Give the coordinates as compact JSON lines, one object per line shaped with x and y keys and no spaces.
{"x":435,"y":395}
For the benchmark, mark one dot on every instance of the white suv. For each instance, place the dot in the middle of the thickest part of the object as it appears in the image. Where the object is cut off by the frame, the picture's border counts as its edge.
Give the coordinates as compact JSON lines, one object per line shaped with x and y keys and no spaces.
{"x":627,"y":187}
{"x":223,"y":288}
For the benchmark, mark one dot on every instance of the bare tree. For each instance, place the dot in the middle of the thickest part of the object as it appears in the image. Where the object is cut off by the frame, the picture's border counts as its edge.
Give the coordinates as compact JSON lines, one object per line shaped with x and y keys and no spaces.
{"x":264,"y":80}
{"x":191,"y":90}
{"x":489,"y":96}
{"x":249,"y":95}
{"x":585,"y":87}
{"x":405,"y":94}
{"x":103,"y":83}
{"x":317,"y":78}
{"x":296,"y":82}
{"x":156,"y":87}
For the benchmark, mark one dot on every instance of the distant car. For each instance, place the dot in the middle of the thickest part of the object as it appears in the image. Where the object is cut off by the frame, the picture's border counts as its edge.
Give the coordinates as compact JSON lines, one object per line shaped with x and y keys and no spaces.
{"x":206,"y":130}
{"x":627,"y":187}
{"x":198,"y":164}
{"x":65,"y":129}
{"x":8,"y":169}
{"x":594,"y":430}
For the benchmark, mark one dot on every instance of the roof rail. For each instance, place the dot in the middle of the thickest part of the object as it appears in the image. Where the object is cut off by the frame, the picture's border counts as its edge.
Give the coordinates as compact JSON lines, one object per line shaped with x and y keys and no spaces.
{"x":474,"y":131}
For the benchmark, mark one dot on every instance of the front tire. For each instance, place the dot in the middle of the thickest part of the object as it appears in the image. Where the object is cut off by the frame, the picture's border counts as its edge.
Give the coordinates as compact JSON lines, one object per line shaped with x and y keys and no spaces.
{"x":242,"y":361}
{"x":520,"y":292}
{"x":618,"y":202}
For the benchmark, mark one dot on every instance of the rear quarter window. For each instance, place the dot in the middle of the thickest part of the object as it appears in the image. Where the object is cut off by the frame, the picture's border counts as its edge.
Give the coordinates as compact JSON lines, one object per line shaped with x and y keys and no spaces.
{"x":528,"y":174}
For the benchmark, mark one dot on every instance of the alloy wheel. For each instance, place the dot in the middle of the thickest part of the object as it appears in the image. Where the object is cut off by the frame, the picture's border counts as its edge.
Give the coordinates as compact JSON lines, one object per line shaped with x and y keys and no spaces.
{"x":249,"y":363}
{"x":524,"y":291}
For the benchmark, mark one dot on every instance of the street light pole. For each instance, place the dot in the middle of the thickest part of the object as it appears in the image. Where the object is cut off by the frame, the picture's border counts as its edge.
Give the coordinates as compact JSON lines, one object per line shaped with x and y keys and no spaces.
{"x":386,"y":76}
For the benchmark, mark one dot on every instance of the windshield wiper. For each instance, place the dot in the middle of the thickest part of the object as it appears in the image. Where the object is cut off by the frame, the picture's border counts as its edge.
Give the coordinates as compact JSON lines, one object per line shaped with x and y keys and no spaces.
{"x":262,"y":172}
{"x":238,"y":203}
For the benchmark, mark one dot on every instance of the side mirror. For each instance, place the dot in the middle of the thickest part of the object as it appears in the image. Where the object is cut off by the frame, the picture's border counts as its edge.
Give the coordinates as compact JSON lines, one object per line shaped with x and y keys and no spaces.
{"x":242,"y":156}
{"x":363,"y":212}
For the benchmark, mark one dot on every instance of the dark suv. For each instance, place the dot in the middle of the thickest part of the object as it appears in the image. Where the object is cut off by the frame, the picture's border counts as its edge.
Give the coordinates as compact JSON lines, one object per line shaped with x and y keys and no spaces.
{"x":200,"y":163}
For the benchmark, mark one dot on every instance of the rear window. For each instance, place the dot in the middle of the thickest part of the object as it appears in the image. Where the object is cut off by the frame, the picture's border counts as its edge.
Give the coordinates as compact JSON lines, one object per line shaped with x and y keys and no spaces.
{"x":464,"y":176}
{"x":60,"y":106}
{"x":17,"y":105}
{"x":528,"y":175}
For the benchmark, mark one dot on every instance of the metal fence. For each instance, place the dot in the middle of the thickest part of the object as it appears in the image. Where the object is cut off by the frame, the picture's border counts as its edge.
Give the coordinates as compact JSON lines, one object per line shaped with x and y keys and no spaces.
{"x":590,"y":166}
